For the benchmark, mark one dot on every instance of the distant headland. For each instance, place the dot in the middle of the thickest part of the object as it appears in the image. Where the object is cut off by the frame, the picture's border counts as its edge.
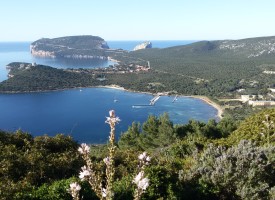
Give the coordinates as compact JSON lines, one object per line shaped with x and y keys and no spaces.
{"x":81,"y":47}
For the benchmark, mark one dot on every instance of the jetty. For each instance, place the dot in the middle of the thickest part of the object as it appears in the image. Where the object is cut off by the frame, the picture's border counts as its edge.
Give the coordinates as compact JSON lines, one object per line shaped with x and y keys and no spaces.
{"x":175,"y":99}
{"x":154,"y":100}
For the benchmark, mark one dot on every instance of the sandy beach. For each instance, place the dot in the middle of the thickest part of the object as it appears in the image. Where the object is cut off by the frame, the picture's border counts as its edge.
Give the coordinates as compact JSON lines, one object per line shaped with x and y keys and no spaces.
{"x":117,"y":87}
{"x":215,"y":105}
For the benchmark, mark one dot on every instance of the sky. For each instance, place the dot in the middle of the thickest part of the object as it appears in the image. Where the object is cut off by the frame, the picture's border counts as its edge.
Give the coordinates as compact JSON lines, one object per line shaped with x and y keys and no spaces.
{"x":29,"y":20}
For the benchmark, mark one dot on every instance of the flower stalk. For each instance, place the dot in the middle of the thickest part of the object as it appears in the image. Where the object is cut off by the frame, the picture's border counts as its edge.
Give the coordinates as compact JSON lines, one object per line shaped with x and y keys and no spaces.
{"x":140,"y":180}
{"x":109,"y":161}
{"x":74,"y":190}
{"x":88,"y":172}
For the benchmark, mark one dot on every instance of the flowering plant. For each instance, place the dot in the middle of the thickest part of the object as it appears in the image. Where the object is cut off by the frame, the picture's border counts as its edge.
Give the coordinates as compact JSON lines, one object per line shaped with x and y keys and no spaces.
{"x":88,"y":172}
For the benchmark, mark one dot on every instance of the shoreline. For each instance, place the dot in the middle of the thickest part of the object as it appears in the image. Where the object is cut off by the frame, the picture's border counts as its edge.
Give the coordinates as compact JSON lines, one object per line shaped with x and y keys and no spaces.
{"x":117,"y":87}
{"x":203,"y":98}
{"x":211,"y":103}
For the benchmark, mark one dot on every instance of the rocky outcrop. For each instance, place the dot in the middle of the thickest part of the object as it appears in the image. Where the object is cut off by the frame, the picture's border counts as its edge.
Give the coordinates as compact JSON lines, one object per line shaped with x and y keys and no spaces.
{"x":251,"y":47}
{"x":144,"y":45}
{"x":40,"y":53}
{"x":87,"y":47}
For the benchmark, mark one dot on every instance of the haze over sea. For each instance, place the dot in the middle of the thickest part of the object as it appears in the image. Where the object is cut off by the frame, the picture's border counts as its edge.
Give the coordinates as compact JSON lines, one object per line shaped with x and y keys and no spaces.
{"x":81,"y":113}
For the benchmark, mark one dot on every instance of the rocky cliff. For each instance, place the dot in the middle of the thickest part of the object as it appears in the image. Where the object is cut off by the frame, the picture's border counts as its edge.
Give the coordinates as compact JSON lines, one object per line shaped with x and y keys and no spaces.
{"x":70,"y":47}
{"x":144,"y":45}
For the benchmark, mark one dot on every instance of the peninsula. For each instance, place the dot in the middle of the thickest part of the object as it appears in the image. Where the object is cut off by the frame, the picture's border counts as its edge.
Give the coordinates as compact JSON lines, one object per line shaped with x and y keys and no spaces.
{"x":223,"y":70}
{"x":85,"y":46}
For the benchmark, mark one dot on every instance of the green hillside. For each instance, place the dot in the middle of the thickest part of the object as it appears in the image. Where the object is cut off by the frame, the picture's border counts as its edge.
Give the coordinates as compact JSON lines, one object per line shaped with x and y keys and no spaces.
{"x":69,"y":46}
{"x":212,"y":68}
{"x":232,"y":64}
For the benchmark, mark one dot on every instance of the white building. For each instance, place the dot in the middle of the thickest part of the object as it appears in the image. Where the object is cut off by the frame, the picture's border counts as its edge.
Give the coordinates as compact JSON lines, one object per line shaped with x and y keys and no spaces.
{"x":261,"y":103}
{"x":245,"y":98}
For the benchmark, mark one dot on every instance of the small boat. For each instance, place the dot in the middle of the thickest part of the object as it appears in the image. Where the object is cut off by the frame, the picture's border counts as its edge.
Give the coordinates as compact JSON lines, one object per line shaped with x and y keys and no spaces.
{"x":115,"y":100}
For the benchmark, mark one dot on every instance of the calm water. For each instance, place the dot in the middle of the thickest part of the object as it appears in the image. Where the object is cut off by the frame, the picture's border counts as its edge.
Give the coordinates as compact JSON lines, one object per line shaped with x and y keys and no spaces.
{"x":81,"y":114}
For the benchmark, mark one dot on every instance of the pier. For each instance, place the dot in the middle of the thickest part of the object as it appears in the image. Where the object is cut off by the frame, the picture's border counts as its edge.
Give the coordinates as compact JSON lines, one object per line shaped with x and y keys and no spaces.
{"x":152,"y":103}
{"x":175,"y":99}
{"x":154,"y":100}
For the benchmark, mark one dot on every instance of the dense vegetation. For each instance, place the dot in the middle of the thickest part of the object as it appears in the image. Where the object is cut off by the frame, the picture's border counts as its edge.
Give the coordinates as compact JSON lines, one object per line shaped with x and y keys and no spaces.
{"x":224,"y":160}
{"x":71,"y":45}
{"x":216,"y":68}
{"x":40,"y":78}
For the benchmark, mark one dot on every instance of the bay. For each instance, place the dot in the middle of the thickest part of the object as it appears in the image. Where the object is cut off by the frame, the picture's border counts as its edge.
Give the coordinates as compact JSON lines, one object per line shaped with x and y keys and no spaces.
{"x":82,"y":113}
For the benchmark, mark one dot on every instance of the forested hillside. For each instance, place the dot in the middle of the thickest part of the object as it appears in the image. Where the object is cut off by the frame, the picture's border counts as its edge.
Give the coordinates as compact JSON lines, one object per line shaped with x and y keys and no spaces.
{"x":212,"y":68}
{"x":220,"y":67}
{"x":70,"y":46}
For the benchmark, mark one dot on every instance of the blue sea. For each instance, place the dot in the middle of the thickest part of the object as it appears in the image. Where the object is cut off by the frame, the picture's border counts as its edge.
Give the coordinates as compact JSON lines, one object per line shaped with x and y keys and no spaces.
{"x":81,"y":113}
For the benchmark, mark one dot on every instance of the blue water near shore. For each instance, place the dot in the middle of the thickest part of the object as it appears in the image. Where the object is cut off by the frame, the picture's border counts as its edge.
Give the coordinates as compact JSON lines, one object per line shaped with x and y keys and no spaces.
{"x":82,"y":113}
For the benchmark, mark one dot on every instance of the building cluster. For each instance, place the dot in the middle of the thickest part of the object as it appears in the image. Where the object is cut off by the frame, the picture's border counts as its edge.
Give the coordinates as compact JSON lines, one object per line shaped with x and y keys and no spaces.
{"x":260,"y":100}
{"x":122,"y":69}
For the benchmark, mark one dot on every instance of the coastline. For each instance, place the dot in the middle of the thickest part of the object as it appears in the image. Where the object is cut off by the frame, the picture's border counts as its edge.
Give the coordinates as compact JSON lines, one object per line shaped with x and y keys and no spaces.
{"x":117,"y":87}
{"x":210,"y":102}
{"x":203,"y":98}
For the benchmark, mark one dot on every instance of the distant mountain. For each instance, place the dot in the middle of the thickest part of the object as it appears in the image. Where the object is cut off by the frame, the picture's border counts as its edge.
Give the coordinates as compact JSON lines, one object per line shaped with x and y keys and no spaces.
{"x":85,"y":46}
{"x":244,"y":48}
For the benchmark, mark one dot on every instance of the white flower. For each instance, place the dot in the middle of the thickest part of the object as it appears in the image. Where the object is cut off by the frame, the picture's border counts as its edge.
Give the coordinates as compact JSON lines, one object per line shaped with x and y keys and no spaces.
{"x":143,"y":184}
{"x":138,"y":177}
{"x":74,"y":189}
{"x":85,"y":173}
{"x":84,"y":149}
{"x":142,"y":156}
{"x":75,"y":186}
{"x":106,"y":160}
{"x":112,"y":113}
{"x":104,"y":192}
{"x":112,"y":120}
